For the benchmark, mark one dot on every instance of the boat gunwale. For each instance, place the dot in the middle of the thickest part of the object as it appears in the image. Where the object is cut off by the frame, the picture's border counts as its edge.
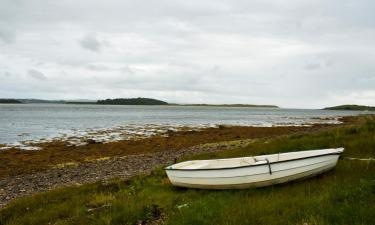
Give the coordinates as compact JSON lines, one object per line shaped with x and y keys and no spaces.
{"x":254,"y":165}
{"x":247,"y":175}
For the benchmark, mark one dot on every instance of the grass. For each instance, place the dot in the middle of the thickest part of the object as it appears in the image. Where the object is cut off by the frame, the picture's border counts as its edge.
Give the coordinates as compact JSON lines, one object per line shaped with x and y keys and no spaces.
{"x":345,"y":195}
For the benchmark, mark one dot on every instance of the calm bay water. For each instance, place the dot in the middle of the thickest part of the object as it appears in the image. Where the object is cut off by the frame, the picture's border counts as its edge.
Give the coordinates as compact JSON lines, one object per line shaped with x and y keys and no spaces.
{"x":21,"y":122}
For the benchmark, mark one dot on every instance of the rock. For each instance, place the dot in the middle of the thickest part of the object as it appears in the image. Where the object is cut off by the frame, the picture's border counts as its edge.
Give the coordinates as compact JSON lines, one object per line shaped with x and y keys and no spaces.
{"x":91,"y":141}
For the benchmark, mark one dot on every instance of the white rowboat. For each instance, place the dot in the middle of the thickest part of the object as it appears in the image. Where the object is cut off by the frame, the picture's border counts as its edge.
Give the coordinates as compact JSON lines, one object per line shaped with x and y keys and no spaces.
{"x":257,"y":171}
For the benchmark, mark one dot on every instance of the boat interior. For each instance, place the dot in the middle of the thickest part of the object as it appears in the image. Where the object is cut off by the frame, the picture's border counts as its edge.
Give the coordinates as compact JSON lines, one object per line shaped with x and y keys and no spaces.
{"x":251,"y":160}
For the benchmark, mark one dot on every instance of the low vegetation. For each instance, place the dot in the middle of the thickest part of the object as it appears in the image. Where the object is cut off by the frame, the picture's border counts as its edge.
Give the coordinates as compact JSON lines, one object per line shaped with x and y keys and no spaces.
{"x":352,"y":107}
{"x":345,"y":195}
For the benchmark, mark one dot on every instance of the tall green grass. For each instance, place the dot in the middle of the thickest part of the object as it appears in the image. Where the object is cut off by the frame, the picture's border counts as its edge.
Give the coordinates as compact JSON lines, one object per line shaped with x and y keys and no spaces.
{"x":345,"y":195}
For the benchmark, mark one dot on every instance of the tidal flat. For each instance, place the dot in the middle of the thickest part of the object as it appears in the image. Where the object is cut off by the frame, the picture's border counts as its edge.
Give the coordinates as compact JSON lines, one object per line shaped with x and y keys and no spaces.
{"x":15,"y":161}
{"x":342,"y":196}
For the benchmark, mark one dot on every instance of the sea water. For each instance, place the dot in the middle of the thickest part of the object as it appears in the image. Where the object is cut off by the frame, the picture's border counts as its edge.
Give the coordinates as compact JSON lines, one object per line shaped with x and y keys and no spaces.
{"x":23,"y":122}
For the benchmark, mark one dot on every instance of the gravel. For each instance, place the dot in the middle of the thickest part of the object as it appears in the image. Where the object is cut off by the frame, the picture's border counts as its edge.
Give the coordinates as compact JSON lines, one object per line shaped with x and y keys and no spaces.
{"x":101,"y":170}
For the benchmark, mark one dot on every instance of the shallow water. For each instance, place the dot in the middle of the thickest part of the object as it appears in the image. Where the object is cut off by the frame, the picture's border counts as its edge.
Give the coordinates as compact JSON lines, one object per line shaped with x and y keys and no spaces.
{"x":21,"y":122}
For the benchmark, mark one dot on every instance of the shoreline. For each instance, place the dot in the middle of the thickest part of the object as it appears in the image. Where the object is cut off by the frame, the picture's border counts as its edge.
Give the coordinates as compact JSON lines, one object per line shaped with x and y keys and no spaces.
{"x":58,"y":165}
{"x":78,"y":137}
{"x":14,"y":161}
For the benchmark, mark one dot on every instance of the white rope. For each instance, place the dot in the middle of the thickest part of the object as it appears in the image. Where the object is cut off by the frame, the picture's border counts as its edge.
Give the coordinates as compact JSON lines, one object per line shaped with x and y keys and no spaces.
{"x":369,"y":159}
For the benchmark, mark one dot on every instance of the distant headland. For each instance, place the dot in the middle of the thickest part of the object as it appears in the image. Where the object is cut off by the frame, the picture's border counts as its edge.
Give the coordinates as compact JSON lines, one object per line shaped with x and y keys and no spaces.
{"x":9,"y":101}
{"x":352,"y":107}
{"x":124,"y":101}
{"x":131,"y":101}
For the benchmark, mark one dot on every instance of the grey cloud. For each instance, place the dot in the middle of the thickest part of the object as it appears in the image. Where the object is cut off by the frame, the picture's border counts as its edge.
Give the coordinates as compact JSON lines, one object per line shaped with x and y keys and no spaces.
{"x":99,"y":68}
{"x":7,"y":36}
{"x":312,"y":65}
{"x":127,"y":70}
{"x":91,"y":42}
{"x":37,"y":74}
{"x":103,"y":68}
{"x":215,"y":69}
{"x":7,"y":74}
{"x":319,"y":61}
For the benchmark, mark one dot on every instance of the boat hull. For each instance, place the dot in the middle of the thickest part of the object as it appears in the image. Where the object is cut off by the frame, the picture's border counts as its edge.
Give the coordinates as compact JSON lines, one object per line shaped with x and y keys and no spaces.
{"x":253,"y":176}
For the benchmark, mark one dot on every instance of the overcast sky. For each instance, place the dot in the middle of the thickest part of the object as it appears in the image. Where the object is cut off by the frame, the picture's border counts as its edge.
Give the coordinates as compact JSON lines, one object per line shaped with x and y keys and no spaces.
{"x":292,"y":53}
